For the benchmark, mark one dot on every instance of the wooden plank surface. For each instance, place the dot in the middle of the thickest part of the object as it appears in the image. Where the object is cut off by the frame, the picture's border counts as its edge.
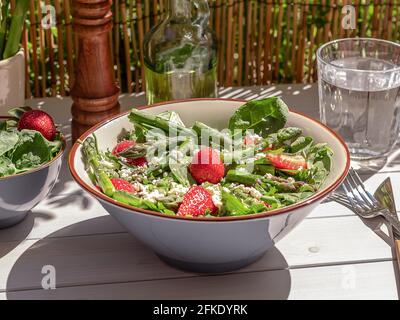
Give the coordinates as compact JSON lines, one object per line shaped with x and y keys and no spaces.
{"x":354,"y":281}
{"x":95,"y":257}
{"x":82,"y":259}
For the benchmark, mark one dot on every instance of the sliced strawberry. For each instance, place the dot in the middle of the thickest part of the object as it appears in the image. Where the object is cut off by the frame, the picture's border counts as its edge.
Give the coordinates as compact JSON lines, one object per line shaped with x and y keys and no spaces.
{"x":287,"y":162}
{"x":248,"y":141}
{"x":123,"y":185}
{"x":139,"y":162}
{"x":207,"y":166}
{"x":122,"y":146}
{"x":39,"y":121}
{"x":197,"y":202}
{"x":267,"y":205}
{"x":126,"y":144}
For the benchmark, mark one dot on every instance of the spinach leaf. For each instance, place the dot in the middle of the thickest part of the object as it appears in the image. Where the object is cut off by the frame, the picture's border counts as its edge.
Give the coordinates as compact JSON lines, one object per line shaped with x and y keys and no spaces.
{"x":290,"y":133}
{"x":8,"y":140}
{"x":18,"y":112}
{"x":300,"y":144}
{"x":263,"y":166}
{"x":31,"y":150}
{"x":6,"y":167}
{"x":320,"y":154}
{"x":263,"y":116}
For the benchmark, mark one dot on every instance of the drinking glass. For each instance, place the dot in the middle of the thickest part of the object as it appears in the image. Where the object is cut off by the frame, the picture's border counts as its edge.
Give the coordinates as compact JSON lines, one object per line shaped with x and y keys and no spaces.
{"x":359,"y":91}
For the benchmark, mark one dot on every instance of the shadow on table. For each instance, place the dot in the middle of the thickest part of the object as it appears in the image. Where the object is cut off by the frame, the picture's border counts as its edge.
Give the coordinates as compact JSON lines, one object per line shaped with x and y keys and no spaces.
{"x":118,"y":266}
{"x":10,"y":238}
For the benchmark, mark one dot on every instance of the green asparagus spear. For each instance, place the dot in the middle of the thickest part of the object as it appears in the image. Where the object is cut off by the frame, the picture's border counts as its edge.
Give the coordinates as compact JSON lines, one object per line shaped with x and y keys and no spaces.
{"x":137,"y":116}
{"x":128,"y":199}
{"x":93,"y":162}
{"x":203,"y":129}
{"x":236,"y":176}
{"x":17,"y":25}
{"x":282,"y":185}
{"x":238,"y":155}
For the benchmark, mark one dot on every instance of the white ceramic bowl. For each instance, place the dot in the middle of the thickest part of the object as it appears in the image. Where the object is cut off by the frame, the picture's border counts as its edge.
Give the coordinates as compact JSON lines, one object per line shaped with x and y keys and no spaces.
{"x":20,"y":193}
{"x":210,"y":245}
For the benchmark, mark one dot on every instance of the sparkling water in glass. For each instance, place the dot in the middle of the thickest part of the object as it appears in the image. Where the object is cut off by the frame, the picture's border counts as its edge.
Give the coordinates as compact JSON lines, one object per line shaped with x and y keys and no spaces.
{"x":359,"y":89}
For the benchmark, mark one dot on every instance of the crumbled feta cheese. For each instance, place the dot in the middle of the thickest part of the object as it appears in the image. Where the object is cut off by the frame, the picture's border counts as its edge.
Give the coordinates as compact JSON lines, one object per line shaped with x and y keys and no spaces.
{"x":215,"y":194}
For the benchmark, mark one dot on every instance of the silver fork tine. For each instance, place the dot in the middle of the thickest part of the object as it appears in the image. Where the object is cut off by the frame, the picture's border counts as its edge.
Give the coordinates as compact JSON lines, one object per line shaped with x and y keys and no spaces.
{"x":360,"y":188}
{"x":361,"y":184}
{"x":357,"y":196}
{"x":350,"y":195}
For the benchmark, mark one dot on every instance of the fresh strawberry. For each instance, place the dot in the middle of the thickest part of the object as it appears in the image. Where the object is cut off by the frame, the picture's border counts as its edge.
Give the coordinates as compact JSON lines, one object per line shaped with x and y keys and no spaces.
{"x":207,"y":166}
{"x":122,"y":185}
{"x":122,"y":146}
{"x":287,"y":162}
{"x":39,"y":121}
{"x":197,"y":202}
{"x":126,"y":144}
{"x":138,"y":162}
{"x":248,"y":141}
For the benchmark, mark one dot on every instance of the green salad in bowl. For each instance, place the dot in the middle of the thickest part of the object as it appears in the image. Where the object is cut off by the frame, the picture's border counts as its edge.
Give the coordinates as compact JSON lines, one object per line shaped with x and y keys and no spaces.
{"x":258,"y":164}
{"x":28,"y":140}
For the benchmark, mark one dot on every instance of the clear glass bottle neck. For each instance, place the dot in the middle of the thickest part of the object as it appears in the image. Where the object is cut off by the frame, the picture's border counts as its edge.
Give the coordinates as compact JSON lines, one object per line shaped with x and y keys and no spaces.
{"x":179,"y":9}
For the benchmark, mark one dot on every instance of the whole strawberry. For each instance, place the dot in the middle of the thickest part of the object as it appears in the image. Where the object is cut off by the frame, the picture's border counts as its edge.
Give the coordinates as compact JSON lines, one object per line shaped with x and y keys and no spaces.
{"x":126,"y":144}
{"x":39,"y":121}
{"x":207,"y":166}
{"x":197,"y":202}
{"x":122,"y":185}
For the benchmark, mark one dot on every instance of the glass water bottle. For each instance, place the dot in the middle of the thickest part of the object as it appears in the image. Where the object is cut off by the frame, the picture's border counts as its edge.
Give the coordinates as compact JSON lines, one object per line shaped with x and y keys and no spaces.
{"x":180,"y":54}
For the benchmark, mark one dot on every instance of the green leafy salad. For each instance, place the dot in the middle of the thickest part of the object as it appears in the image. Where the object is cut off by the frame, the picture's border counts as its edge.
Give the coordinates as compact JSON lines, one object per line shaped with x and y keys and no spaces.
{"x":257,"y":164}
{"x":24,"y":149}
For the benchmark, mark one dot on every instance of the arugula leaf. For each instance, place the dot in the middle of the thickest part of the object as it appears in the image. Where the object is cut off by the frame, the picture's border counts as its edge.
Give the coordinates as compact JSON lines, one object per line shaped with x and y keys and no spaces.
{"x":31,"y":150}
{"x":8,"y":140}
{"x":263,"y":116}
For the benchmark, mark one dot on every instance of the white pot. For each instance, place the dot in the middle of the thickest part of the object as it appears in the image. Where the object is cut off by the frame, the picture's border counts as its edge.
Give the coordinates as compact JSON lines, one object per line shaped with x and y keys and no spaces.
{"x":12,"y":82}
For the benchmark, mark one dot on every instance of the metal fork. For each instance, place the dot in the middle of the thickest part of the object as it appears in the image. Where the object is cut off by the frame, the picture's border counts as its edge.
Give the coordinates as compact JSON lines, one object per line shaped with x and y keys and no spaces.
{"x":364,"y":203}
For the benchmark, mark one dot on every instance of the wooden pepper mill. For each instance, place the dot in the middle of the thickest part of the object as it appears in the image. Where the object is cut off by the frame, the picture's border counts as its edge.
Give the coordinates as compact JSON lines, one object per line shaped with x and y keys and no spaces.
{"x":95,"y":93}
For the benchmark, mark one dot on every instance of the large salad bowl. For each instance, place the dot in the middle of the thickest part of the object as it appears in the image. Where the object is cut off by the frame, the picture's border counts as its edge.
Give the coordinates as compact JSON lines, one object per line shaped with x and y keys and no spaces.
{"x":210,"y":244}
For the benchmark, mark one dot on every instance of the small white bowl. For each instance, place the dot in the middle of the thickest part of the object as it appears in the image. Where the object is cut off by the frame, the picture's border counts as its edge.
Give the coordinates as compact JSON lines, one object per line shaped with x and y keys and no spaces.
{"x":20,"y":193}
{"x":210,"y":245}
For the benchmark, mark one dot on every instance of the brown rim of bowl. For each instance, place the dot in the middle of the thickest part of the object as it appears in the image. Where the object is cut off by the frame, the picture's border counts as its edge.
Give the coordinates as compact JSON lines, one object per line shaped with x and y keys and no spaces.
{"x":46,"y":165}
{"x":96,"y":193}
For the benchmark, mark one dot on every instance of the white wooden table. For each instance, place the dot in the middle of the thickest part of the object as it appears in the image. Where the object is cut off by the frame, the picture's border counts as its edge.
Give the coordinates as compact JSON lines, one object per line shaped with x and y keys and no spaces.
{"x":331,"y":255}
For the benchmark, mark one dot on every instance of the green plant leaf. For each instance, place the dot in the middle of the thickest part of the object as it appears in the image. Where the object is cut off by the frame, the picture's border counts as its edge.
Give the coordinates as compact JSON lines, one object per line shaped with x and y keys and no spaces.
{"x":18,"y":112}
{"x":31,"y":150}
{"x":8,"y":140}
{"x":263,"y":116}
{"x":7,"y":168}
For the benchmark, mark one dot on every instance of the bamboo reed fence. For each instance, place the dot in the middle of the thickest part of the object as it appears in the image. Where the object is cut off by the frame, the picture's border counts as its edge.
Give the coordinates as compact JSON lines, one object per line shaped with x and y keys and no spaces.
{"x":260,"y":41}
